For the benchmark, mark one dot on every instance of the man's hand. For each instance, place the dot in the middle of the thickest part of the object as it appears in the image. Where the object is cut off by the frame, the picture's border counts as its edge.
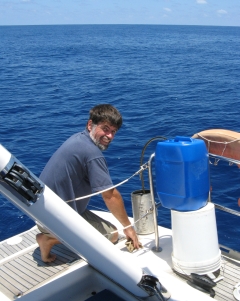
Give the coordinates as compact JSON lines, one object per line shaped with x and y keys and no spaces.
{"x":114,"y":202}
{"x":131,"y":234}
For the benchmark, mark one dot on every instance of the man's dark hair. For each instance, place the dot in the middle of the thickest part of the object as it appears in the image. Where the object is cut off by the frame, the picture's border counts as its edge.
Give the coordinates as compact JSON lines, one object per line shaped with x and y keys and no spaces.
{"x":106,"y":112}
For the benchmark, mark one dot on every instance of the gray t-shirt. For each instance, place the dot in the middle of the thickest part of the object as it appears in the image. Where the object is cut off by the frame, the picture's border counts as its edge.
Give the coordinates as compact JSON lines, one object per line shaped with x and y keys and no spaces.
{"x":76,"y":169}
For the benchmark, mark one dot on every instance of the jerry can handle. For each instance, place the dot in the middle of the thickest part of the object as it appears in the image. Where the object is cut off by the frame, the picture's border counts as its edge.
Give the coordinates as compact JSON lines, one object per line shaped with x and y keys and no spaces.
{"x":182,"y":138}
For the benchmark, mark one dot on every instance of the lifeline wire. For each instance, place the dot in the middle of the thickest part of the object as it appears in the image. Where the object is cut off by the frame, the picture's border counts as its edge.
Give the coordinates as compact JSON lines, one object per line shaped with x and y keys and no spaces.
{"x":143,"y":167}
{"x":149,"y":211}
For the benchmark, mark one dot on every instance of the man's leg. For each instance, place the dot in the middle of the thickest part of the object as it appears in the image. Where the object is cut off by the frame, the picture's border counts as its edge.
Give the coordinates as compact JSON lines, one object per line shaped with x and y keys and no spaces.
{"x":46,"y":241}
{"x":103,"y":226}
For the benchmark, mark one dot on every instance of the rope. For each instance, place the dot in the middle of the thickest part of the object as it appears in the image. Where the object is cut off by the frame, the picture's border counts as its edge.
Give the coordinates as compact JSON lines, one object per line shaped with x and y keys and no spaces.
{"x":219,"y":142}
{"x":149,"y":211}
{"x":225,"y":142}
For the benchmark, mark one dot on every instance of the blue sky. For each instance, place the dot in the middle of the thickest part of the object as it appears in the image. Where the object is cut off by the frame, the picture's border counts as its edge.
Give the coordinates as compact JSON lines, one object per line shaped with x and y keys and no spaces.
{"x":180,"y":12}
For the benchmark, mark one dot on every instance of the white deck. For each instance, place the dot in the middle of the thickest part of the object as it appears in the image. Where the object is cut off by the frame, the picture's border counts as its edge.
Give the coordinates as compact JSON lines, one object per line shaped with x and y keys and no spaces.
{"x":160,"y":265}
{"x":22,"y":272}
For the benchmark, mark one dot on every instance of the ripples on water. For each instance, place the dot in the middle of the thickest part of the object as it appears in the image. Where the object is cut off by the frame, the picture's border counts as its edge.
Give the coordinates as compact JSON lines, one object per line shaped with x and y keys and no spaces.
{"x":166,"y":80}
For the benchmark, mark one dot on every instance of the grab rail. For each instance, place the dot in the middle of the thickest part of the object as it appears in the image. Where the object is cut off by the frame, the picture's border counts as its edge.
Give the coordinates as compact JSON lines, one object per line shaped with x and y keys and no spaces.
{"x":230,"y":160}
{"x":223,"y":208}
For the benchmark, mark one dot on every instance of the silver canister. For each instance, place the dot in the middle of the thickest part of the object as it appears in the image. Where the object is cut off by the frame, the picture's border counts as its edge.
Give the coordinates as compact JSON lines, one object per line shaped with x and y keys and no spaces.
{"x":141,"y":203}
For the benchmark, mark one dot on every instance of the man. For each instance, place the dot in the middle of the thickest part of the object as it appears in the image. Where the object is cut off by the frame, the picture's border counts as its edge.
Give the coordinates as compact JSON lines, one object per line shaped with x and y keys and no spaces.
{"x":78,"y":168}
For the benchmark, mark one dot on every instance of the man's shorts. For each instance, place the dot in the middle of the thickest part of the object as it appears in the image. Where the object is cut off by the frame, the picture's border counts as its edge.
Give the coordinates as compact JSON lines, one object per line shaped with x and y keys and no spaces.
{"x":103,"y":226}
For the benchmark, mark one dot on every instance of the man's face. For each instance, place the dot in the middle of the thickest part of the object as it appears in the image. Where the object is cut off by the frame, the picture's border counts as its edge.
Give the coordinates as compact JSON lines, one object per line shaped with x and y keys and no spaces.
{"x":102,"y":133}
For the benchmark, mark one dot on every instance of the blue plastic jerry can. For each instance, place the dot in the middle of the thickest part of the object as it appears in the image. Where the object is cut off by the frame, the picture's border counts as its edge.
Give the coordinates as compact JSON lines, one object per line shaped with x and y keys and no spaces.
{"x":182,"y":173}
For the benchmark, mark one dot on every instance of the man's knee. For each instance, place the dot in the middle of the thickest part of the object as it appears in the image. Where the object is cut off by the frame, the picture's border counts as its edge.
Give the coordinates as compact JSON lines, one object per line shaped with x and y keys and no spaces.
{"x":114,"y":238}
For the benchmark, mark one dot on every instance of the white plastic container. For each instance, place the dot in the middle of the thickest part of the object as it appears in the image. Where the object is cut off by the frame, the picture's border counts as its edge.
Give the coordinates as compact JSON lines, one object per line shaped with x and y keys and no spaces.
{"x":195,"y":241}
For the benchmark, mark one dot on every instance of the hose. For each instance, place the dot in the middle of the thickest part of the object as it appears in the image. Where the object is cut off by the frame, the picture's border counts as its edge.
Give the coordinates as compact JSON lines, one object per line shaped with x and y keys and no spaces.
{"x":142,"y":155}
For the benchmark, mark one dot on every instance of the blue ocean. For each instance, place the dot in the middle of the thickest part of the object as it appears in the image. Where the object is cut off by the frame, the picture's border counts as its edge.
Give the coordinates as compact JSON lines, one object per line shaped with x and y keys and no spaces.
{"x":165,"y":80}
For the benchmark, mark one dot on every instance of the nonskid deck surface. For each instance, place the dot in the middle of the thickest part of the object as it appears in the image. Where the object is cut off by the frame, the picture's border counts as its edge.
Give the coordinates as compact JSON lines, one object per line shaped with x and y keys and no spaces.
{"x":21,"y":267}
{"x":230,"y":274}
{"x":230,"y":271}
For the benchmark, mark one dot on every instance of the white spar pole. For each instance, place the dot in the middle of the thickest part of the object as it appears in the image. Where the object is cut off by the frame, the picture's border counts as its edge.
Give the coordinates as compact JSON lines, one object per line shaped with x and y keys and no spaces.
{"x":41,"y":204}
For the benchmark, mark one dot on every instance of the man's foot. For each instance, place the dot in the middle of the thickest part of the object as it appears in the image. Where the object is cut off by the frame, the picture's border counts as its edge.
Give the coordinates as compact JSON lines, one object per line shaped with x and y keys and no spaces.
{"x":45,"y":244}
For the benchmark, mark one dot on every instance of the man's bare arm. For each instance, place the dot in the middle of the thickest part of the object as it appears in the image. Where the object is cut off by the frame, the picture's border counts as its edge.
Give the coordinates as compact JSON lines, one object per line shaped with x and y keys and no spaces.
{"x":114,"y":202}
